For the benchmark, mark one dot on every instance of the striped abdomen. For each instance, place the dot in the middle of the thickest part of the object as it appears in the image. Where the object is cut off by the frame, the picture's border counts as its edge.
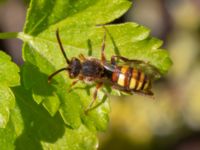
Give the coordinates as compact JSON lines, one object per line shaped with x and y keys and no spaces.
{"x":131,"y":79}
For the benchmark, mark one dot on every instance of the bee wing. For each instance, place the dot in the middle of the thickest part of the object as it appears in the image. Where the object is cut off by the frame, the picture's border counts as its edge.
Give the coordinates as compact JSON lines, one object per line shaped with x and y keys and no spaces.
{"x":145,"y":67}
{"x":109,"y":66}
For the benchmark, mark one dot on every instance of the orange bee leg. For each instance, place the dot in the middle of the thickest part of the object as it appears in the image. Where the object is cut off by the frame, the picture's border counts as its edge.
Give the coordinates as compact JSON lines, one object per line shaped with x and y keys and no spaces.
{"x":98,"y":86}
{"x":147,"y":93}
{"x":82,"y":57}
{"x":113,"y":60}
{"x":103,"y":58}
{"x":123,"y":89}
{"x":143,"y":93}
{"x":74,"y":83}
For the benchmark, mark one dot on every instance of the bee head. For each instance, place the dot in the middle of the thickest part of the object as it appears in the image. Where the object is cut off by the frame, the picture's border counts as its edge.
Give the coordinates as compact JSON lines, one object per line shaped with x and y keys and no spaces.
{"x":74,"y":67}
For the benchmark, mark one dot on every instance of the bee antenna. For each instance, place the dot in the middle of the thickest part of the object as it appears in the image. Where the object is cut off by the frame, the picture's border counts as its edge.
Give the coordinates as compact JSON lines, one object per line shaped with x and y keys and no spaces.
{"x":61,"y":46}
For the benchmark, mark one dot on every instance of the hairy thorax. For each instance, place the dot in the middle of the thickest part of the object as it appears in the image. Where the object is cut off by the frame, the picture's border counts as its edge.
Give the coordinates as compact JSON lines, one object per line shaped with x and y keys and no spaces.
{"x":92,"y":68}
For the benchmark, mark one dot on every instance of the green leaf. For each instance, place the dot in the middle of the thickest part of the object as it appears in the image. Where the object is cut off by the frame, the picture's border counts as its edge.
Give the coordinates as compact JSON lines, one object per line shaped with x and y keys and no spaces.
{"x":8,"y":71}
{"x":45,"y":14}
{"x":9,"y":77}
{"x":39,"y":54}
{"x":31,"y":127}
{"x":77,"y":22}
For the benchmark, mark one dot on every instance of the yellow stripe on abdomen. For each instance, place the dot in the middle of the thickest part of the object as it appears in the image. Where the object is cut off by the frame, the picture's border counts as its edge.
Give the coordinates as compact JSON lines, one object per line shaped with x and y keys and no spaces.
{"x":132,"y":83}
{"x":141,"y":80}
{"x":122,"y":76}
{"x":147,"y":85}
{"x":121,"y":79}
{"x":139,"y":86}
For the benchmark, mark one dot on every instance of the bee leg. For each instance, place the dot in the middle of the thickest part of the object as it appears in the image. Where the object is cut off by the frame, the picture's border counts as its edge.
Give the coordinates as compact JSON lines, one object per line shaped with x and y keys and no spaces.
{"x":113,"y":60}
{"x":73,"y":83}
{"x":146,"y":93}
{"x":98,"y":86}
{"x":114,"y":57}
{"x":103,"y":58}
{"x":135,"y":92}
{"x":123,"y":89}
{"x":82,"y":57}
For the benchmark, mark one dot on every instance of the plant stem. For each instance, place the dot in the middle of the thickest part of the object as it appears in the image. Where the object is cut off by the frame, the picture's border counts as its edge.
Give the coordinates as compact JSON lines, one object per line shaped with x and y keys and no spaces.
{"x":8,"y":35}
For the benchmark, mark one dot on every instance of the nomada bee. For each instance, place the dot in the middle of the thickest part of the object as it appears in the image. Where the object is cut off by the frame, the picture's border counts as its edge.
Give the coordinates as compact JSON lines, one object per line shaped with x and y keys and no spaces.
{"x":129,"y":76}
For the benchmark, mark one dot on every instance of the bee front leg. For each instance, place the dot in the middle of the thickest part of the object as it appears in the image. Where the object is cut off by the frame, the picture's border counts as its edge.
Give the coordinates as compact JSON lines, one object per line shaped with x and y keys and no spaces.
{"x":74,"y":83}
{"x":98,"y":86}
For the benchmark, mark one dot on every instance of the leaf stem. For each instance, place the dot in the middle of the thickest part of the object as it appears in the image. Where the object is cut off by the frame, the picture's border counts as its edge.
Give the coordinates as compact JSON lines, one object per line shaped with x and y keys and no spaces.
{"x":9,"y":35}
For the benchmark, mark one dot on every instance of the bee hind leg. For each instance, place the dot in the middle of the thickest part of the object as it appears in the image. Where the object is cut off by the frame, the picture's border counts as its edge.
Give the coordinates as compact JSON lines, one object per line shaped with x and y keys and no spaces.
{"x":114,"y":57}
{"x":89,"y":107}
{"x":146,"y":93}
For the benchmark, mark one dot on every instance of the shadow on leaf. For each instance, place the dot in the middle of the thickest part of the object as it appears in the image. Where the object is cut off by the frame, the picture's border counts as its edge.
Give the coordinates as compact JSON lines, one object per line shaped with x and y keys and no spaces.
{"x":38,"y":124}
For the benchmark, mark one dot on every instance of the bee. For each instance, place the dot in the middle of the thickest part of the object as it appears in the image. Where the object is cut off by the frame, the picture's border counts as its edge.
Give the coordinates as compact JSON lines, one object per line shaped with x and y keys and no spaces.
{"x":129,"y":76}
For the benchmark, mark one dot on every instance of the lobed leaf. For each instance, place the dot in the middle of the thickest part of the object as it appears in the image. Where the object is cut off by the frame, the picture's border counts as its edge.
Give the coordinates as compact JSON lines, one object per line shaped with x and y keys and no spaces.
{"x":77,"y":22}
{"x":31,"y":127}
{"x":65,"y":125}
{"x":8,"y":71}
{"x":9,"y":77}
{"x":43,"y":18}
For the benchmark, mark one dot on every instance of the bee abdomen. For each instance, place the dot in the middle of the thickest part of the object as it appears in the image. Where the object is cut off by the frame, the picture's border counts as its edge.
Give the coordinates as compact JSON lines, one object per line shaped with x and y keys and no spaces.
{"x":131,"y":78}
{"x":139,"y":80}
{"x":121,"y":76}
